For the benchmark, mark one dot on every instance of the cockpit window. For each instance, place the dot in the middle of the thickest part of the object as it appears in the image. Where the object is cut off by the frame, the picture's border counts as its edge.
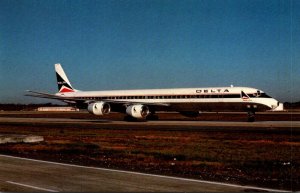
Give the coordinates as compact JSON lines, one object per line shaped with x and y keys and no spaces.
{"x":258,"y":93}
{"x":264,"y":95}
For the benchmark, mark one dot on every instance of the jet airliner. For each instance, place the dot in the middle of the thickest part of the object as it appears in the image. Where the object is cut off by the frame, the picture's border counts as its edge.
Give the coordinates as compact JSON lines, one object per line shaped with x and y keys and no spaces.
{"x":141,"y":104}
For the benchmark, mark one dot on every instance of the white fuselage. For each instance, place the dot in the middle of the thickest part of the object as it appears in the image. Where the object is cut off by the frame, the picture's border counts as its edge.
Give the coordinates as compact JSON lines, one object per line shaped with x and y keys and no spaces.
{"x":144,"y":103}
{"x":186,"y":99}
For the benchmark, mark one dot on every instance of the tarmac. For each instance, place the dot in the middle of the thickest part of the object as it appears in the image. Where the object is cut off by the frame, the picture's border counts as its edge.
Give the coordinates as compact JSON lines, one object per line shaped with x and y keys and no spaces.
{"x":21,"y":174}
{"x":164,"y":123}
{"x":12,"y":138}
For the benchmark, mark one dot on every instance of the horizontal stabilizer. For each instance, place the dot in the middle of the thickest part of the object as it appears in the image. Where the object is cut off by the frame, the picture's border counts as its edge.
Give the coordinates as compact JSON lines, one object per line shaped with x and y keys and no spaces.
{"x":51,"y":96}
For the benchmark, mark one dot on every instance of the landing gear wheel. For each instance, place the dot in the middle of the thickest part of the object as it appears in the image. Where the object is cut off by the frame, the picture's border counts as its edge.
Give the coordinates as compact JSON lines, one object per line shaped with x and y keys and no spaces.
{"x":130,"y":118}
{"x":152,"y":117}
{"x":251,"y":116}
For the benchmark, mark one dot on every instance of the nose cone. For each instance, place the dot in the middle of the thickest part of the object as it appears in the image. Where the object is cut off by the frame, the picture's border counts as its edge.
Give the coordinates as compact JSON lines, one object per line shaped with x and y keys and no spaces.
{"x":278,"y":107}
{"x":275,"y":105}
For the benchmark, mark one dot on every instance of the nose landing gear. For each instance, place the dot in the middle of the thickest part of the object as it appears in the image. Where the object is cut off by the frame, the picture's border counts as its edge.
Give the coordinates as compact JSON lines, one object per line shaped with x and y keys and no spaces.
{"x":251,"y":112}
{"x":251,"y":116}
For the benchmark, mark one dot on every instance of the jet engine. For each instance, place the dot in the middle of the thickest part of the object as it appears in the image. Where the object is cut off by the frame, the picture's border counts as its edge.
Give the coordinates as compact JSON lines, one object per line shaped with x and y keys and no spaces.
{"x":137,"y":111}
{"x":99,"y":108}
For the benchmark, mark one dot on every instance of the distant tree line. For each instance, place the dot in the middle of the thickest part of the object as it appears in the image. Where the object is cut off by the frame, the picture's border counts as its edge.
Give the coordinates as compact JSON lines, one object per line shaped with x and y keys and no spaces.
{"x":26,"y":107}
{"x":288,"y":105}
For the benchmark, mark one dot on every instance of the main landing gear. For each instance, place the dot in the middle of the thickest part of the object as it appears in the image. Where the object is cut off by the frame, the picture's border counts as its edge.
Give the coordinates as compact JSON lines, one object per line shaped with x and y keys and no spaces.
{"x":152,"y":117}
{"x":129,"y":118}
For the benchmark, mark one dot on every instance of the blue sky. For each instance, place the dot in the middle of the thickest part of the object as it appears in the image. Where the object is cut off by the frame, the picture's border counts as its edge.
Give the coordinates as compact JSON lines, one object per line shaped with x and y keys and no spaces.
{"x":138,"y":44}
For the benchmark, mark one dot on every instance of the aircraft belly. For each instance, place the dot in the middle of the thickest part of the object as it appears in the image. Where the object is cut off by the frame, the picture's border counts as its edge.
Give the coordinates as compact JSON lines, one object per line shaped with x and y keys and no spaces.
{"x":217,"y":107}
{"x":199,"y":106}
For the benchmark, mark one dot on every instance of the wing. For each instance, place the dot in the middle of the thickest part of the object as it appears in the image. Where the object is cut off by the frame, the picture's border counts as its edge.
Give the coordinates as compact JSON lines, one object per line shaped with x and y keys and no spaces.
{"x":78,"y":100}
{"x":53,"y":96}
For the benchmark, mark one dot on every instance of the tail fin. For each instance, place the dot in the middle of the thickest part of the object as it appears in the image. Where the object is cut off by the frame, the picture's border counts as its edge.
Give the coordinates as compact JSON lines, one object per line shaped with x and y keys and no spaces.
{"x":63,"y":82}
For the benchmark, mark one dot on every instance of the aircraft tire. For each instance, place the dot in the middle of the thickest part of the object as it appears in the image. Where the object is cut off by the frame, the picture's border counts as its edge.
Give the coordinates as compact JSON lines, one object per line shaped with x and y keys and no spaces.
{"x":251,"y":116}
{"x":152,"y":117}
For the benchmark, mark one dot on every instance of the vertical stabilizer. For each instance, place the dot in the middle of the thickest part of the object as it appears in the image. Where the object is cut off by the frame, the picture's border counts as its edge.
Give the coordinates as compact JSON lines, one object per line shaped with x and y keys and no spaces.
{"x":63,"y":82}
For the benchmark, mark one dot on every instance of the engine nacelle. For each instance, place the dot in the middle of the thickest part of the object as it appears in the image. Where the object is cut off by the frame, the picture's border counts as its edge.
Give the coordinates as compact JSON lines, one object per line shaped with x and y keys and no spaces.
{"x":99,"y":108}
{"x":137,"y":111}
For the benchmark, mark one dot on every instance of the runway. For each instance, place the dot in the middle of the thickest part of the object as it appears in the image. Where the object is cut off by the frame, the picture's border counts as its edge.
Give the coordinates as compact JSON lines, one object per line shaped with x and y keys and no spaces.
{"x":151,"y":124}
{"x":20,"y":174}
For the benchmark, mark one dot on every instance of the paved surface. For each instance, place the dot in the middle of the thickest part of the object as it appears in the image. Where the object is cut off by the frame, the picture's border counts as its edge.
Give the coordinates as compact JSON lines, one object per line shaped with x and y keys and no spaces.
{"x":13,"y":138}
{"x":174,"y":124}
{"x":19,"y":174}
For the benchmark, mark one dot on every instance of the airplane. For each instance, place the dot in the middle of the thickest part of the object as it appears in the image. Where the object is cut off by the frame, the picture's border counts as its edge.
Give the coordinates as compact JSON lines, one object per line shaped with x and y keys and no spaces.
{"x":143,"y":104}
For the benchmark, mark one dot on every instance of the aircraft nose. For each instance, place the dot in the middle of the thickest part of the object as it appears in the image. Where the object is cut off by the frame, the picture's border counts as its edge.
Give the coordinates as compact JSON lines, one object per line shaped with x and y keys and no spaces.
{"x":275,"y":105}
